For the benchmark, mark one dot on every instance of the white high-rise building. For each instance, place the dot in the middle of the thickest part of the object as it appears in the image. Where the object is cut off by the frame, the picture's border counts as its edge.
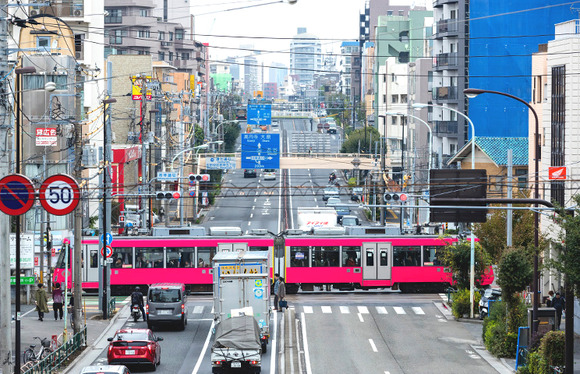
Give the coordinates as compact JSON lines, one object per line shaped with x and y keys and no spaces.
{"x":305,"y":57}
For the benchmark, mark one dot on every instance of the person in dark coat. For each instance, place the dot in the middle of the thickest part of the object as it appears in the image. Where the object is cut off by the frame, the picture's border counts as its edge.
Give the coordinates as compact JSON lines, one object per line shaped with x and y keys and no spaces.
{"x":558,"y":303}
{"x":41,"y":301}
{"x":276,"y":289}
{"x":281,"y":291}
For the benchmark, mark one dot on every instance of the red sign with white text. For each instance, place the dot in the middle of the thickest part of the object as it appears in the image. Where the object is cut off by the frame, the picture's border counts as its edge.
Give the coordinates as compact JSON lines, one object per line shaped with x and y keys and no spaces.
{"x":557,"y":173}
{"x":46,"y":137}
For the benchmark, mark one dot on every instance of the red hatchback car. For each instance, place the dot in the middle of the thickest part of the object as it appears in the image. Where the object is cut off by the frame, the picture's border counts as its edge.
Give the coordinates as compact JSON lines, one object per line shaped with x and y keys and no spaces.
{"x":134,"y":347}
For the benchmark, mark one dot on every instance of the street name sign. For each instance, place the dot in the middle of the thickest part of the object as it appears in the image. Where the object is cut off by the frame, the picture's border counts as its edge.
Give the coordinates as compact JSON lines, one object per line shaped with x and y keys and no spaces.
{"x":220,"y":163}
{"x":24,"y":281}
{"x":259,"y":114}
{"x":169,"y":176}
{"x":260,"y":151}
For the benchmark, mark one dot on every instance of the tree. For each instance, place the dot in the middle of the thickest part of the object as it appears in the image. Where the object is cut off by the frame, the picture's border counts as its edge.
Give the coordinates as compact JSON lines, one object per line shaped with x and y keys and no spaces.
{"x":514,"y":275}
{"x":231,"y":134}
{"x":458,"y":258}
{"x":364,"y":136}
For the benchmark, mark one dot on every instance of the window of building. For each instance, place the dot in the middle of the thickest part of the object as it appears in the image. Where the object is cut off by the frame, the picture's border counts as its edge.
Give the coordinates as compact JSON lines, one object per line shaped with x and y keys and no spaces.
{"x":403,"y":98}
{"x":43,"y":43}
{"x":389,"y":12}
{"x":161,"y":35}
{"x":144,"y":12}
{"x":404,"y":57}
{"x":522,"y":177}
{"x":79,"y":38}
{"x":113,"y":15}
{"x":170,"y":36}
{"x":161,"y":56}
{"x":179,"y":33}
{"x":452,"y":149}
{"x":116,"y":37}
{"x":393,"y":120}
{"x":394,"y":99}
{"x":401,"y":12}
{"x":185,"y":56}
{"x":170,"y":56}
{"x":558,"y":123}
{"x":384,"y":99}
{"x":393,"y":77}
{"x":144,"y":33}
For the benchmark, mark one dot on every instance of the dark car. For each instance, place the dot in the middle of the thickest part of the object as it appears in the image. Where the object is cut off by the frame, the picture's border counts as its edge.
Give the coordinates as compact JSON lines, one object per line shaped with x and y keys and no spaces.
{"x":356,"y":194}
{"x":134,"y":347}
{"x":250,"y":173}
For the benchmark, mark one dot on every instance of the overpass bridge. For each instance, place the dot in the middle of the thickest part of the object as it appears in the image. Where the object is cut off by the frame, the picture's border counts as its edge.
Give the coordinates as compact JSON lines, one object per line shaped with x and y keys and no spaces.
{"x":310,"y":161}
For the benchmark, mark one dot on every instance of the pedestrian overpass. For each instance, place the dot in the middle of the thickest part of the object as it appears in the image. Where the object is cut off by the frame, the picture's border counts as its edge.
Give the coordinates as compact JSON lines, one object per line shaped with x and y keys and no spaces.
{"x":311,"y":161}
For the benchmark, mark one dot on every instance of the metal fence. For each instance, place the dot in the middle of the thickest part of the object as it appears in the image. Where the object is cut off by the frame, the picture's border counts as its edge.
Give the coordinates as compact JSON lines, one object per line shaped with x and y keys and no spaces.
{"x":57,"y":358}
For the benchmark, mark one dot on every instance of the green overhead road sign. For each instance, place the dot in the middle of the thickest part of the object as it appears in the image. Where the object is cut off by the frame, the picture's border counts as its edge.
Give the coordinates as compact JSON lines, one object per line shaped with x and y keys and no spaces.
{"x":24,"y":281}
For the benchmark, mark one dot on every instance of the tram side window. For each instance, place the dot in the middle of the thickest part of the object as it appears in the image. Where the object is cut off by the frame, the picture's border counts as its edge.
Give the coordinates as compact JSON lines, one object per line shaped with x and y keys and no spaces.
{"x":325,"y":256}
{"x":94,"y":258}
{"x":123,"y":258}
{"x":180,"y":257}
{"x":149,"y":257}
{"x":432,"y":256}
{"x":258,"y":248}
{"x":204,"y":256}
{"x":406,"y":256}
{"x":299,"y":256}
{"x":60,"y":263}
{"x":351,"y":256}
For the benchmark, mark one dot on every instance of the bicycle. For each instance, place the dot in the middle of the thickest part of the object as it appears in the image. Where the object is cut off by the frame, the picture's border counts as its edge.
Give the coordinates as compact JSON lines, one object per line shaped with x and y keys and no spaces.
{"x":45,"y":350}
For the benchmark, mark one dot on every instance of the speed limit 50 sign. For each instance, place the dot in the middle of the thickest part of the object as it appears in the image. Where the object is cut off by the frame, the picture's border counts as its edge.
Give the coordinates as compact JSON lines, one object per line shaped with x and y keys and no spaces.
{"x":59,"y":194}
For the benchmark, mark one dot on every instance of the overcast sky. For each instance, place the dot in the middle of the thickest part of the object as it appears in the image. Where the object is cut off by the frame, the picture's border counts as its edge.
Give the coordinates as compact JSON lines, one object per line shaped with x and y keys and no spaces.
{"x":331,"y":20}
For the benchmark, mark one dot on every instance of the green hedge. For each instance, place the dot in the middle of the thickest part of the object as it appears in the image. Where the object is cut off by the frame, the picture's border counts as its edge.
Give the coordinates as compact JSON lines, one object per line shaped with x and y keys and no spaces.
{"x":549,"y":355}
{"x":461,"y":303}
{"x":497,"y":338}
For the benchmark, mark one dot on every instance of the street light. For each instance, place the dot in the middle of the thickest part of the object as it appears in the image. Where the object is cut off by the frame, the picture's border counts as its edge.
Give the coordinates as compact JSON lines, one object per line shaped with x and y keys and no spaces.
{"x":18,"y":130}
{"x":473,"y":92}
{"x":430,"y":145}
{"x":472,"y":260}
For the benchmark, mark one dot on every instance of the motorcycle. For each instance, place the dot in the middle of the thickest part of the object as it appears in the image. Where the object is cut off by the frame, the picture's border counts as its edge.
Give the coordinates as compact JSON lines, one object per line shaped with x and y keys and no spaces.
{"x":488,"y":295}
{"x":135,"y":312}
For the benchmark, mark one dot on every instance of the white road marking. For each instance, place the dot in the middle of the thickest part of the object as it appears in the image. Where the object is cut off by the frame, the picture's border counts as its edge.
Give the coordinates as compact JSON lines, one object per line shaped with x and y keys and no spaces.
{"x":418,"y":310}
{"x":344,"y":310}
{"x":307,"y":309}
{"x":305,"y":342}
{"x":326,"y":309}
{"x":202,"y":353}
{"x":360,"y":317}
{"x":251,"y":215}
{"x":363,"y":310}
{"x":198,"y":309}
{"x":315,"y":200}
{"x":382,"y":310}
{"x":249,"y":223}
{"x":273,"y":352}
{"x":255,"y":199}
{"x":399,"y":310}
{"x":373,"y":346}
{"x":253,"y":207}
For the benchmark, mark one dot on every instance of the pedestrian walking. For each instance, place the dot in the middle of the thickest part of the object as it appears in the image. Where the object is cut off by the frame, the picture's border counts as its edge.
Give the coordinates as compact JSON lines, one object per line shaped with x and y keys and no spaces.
{"x":559,"y":303}
{"x":550,"y":298}
{"x":57,"y":301}
{"x":41,"y":301}
{"x":281,"y":292}
{"x":276,"y":288}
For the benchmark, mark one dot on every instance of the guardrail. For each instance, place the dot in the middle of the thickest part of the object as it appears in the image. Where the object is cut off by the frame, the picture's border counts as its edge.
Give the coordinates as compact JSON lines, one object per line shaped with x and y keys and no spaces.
{"x":57,"y":358}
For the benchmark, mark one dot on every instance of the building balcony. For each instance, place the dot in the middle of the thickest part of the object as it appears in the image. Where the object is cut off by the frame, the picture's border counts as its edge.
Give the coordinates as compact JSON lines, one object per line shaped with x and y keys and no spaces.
{"x":438,"y":3}
{"x":445,"y":127}
{"x":61,"y":8}
{"x":445,"y":61}
{"x":446,"y":27}
{"x":444,"y":93}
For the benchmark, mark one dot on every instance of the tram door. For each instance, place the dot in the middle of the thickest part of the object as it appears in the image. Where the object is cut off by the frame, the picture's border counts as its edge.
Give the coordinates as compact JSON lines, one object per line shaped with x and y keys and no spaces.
{"x":232,"y":247}
{"x":377,"y":259}
{"x":91,"y":257}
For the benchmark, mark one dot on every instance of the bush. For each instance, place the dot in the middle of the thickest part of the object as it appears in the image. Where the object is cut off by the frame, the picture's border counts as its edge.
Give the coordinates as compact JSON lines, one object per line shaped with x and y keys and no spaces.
{"x":550,"y":354}
{"x":460,"y":305}
{"x":497,"y":336}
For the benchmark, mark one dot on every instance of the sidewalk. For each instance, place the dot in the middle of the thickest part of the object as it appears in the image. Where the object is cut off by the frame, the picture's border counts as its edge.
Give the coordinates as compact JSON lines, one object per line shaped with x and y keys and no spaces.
{"x":31,"y":327}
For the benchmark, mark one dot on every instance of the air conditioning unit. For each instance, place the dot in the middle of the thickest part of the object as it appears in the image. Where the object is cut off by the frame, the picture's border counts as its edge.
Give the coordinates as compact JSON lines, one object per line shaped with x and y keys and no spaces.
{"x":78,"y":13}
{"x":34,"y":11}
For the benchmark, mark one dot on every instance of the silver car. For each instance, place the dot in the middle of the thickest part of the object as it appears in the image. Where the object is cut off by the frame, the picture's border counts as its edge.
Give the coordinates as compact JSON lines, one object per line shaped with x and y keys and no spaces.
{"x":166,"y":303}
{"x":105,"y":369}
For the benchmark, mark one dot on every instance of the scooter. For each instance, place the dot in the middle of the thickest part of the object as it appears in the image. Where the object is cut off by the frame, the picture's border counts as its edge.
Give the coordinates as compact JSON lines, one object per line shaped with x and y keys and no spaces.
{"x":490,"y":294}
{"x":135,"y":312}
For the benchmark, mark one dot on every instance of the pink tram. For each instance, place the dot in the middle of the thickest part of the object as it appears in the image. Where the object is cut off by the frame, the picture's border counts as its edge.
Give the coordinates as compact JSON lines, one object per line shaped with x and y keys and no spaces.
{"x":308,"y":262}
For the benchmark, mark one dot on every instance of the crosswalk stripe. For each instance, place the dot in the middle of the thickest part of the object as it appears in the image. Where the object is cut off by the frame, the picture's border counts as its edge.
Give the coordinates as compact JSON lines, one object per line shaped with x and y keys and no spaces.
{"x":418,"y":310}
{"x":399,"y":310}
{"x":326,"y":309}
{"x":382,"y":310}
{"x":198,"y":309}
{"x":363,"y":310}
{"x":308,"y":309}
{"x":344,"y":310}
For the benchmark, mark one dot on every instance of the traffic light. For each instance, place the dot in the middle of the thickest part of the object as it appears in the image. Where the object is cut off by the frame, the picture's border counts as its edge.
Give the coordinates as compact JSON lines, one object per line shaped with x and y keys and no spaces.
{"x":167,"y":195}
{"x":394,"y":197}
{"x":199,"y":177}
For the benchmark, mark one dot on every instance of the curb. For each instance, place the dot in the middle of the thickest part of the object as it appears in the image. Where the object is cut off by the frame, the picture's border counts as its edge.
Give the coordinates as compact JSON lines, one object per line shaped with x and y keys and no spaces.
{"x":88,"y":348}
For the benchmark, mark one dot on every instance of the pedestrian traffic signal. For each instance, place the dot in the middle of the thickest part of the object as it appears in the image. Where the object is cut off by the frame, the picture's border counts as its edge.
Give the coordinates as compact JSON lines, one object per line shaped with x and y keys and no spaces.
{"x":199,"y":177}
{"x":165,"y":195}
{"x":394,"y":197}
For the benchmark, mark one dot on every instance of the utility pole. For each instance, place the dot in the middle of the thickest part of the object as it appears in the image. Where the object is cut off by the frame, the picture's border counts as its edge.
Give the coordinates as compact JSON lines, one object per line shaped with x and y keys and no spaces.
{"x":144,"y":144}
{"x":78,"y":215}
{"x":5,"y":306}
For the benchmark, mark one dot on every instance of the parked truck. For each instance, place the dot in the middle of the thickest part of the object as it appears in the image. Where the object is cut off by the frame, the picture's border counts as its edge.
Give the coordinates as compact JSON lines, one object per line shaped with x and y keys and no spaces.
{"x":236,"y":345}
{"x":313,"y":218}
{"x":241,"y":286}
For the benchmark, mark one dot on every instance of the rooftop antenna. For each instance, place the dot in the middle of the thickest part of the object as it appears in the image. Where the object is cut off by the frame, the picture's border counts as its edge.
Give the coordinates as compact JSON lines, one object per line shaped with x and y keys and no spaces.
{"x":575,"y":9}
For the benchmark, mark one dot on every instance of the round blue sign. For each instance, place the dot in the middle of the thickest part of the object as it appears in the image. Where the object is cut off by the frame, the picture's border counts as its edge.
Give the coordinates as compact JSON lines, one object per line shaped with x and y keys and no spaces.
{"x":16,"y":194}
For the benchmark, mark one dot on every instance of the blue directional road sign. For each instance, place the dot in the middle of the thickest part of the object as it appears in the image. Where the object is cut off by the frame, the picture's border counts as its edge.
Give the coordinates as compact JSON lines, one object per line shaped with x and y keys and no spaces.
{"x":259,"y":114}
{"x":260,"y":151}
{"x":220,"y":163}
{"x":109,"y":238}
